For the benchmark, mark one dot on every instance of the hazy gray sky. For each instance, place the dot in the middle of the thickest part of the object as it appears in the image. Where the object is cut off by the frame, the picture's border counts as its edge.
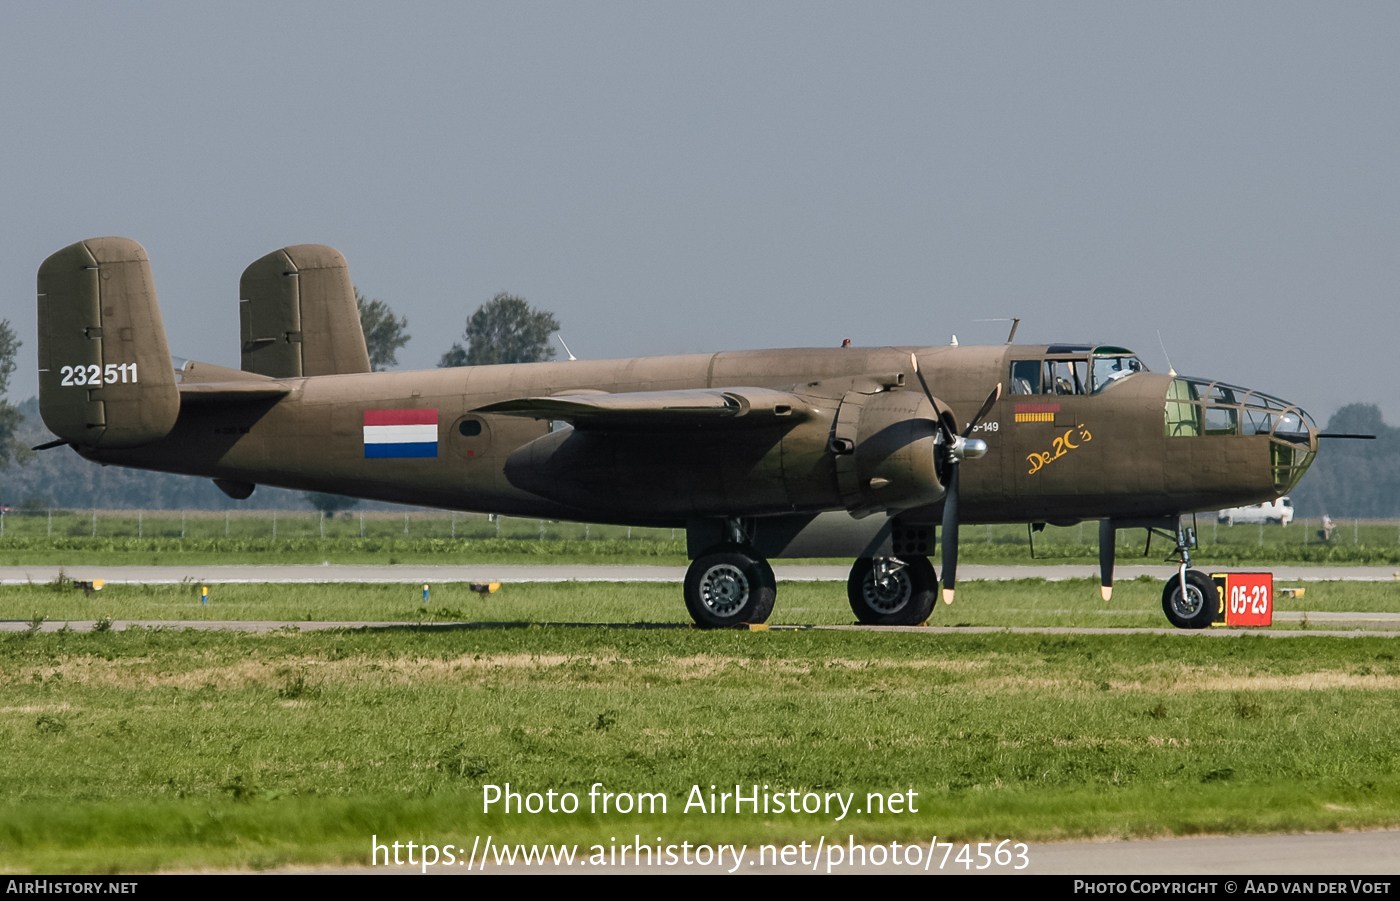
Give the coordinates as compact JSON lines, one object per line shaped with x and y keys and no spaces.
{"x":670,"y":178}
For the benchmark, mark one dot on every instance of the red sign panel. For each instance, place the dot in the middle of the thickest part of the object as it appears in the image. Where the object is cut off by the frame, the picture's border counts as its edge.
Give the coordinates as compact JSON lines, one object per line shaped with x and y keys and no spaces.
{"x":1246,"y":599}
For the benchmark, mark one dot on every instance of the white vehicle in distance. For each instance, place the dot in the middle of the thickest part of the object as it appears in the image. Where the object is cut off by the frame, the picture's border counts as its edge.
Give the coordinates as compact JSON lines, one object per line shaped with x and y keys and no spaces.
{"x":1280,"y":511}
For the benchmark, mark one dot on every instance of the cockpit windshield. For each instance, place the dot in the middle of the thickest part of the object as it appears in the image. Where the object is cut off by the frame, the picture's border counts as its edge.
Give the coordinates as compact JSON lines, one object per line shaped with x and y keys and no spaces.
{"x":1074,"y":369}
{"x":1110,"y":364}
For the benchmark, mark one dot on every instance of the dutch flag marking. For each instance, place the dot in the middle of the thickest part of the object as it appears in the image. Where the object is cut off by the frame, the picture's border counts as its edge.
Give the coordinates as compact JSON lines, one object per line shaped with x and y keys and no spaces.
{"x":401,"y":433}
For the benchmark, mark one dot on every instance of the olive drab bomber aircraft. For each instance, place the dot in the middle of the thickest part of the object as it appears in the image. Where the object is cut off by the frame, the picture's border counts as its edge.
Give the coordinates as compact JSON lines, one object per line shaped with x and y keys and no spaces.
{"x":864,"y":453}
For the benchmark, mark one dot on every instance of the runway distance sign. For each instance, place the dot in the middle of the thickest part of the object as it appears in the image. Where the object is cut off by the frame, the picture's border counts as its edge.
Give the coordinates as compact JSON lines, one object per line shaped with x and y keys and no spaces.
{"x":1246,"y":599}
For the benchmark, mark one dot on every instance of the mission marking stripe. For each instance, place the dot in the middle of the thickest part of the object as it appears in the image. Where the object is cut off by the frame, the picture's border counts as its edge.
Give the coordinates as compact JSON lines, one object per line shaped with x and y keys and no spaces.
{"x":1036,"y":412}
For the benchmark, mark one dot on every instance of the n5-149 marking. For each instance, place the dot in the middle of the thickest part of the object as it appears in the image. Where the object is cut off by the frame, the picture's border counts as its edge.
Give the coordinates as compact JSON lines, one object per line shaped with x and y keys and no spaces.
{"x":97,"y":375}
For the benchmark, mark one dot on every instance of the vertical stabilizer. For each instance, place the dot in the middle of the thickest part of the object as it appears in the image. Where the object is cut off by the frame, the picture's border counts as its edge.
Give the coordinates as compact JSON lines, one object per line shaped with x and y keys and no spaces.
{"x":298,"y":315}
{"x":105,"y":377}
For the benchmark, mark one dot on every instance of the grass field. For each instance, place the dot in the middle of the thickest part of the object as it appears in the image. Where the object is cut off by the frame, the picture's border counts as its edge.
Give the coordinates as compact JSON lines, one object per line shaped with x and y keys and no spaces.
{"x":136,"y":537}
{"x":1023,"y":602}
{"x":146,"y":749}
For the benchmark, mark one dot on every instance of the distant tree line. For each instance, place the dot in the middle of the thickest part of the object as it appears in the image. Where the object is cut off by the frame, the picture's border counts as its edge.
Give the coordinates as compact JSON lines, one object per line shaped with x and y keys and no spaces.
{"x":1353,"y":478}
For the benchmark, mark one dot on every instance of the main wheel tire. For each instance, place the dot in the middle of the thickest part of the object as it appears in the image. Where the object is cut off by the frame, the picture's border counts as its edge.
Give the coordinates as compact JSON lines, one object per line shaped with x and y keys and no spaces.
{"x":906,"y":599}
{"x":729,"y":586}
{"x":1197,"y":609}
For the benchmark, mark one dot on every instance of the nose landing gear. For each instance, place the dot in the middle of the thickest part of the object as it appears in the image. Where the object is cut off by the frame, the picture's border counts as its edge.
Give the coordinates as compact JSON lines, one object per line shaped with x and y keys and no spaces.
{"x":1196,"y":607}
{"x":1190,"y":599}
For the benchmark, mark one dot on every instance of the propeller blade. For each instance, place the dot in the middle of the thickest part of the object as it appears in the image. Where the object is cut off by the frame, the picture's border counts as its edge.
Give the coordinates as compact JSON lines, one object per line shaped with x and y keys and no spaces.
{"x":950,"y":534}
{"x":957,"y":448}
{"x":986,"y":408}
{"x":948,"y":435}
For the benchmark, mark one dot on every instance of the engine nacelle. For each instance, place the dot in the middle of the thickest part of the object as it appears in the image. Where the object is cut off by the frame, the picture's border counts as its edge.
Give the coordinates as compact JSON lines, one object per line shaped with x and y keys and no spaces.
{"x":893,"y":461}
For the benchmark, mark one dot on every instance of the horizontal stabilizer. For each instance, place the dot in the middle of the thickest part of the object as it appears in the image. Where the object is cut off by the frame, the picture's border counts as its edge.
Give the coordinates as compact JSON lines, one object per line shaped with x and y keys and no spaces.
{"x":732,"y":407}
{"x":191,"y":372}
{"x":240,"y":392}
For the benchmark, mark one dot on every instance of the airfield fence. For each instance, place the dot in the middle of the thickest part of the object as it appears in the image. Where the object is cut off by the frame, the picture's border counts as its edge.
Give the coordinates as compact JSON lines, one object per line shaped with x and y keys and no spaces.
{"x":419,"y":524}
{"x":303,"y":524}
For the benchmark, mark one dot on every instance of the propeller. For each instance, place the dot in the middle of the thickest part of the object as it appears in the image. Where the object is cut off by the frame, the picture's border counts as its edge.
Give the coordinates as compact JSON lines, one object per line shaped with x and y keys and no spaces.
{"x":959,"y":447}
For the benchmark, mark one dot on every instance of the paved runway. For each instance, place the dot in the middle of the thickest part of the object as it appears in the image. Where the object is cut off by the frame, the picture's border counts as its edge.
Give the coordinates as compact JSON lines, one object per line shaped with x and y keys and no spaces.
{"x":213,"y":625}
{"x":408,"y":573}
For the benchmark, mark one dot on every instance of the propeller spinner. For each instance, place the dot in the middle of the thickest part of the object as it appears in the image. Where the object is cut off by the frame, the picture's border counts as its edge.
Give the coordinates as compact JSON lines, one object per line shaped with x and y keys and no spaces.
{"x":958,"y":448}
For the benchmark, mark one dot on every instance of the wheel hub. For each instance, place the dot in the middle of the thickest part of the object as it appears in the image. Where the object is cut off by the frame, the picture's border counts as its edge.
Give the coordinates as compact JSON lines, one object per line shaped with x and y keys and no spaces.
{"x":1191,"y":604}
{"x":890,"y":594}
{"x":724,"y":589}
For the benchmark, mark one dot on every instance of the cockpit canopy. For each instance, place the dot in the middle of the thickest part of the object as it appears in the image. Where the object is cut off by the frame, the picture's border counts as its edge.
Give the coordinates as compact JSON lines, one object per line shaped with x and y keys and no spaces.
{"x":1197,"y":408}
{"x":1074,"y":369}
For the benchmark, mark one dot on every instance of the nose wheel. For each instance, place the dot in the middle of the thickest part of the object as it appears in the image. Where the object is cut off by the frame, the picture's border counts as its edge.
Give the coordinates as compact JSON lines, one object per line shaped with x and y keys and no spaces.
{"x":1195,"y":607}
{"x":729,"y":586}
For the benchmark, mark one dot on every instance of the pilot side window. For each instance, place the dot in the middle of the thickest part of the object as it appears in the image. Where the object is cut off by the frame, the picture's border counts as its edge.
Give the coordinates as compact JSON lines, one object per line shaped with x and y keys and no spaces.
{"x":1025,"y":376}
{"x":1049,"y":376}
{"x":1066,"y":376}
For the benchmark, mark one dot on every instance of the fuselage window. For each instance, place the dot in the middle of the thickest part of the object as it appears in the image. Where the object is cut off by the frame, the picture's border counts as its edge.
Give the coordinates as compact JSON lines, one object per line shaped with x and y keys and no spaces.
{"x":1222,"y":421}
{"x":1183,"y":415}
{"x":1291,"y":428}
{"x":1258,"y":422}
{"x":1025,"y":376}
{"x":1226,"y":394}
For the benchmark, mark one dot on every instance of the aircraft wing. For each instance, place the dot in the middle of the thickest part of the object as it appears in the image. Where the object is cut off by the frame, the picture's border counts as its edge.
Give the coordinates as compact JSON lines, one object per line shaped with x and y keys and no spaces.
{"x":711,"y":407}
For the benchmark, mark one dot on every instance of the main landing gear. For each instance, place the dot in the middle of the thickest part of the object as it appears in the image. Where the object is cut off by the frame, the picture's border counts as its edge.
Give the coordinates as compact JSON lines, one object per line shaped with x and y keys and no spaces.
{"x":729,"y":585}
{"x":732,"y":585}
{"x":1190,"y":599}
{"x":892,"y":591}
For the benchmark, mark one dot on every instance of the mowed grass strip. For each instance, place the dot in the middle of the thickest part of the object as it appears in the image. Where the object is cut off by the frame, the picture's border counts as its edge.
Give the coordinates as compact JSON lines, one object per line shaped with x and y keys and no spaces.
{"x":249,"y":537}
{"x":153,"y":749}
{"x":1022,"y":602}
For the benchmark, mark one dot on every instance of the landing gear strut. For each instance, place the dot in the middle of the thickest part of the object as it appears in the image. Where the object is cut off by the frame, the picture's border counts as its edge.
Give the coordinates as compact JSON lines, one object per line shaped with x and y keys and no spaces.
{"x":1190,"y":599}
{"x":1193,"y":606}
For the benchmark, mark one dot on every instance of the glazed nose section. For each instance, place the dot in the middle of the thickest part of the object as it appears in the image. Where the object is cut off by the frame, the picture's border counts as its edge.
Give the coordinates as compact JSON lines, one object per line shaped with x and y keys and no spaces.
{"x":1293,"y":427}
{"x":1292,"y":448}
{"x":1197,"y":407}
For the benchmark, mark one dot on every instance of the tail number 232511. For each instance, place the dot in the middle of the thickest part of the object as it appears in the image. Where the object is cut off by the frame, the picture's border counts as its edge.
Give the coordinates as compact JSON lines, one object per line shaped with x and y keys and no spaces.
{"x":97,"y":375}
